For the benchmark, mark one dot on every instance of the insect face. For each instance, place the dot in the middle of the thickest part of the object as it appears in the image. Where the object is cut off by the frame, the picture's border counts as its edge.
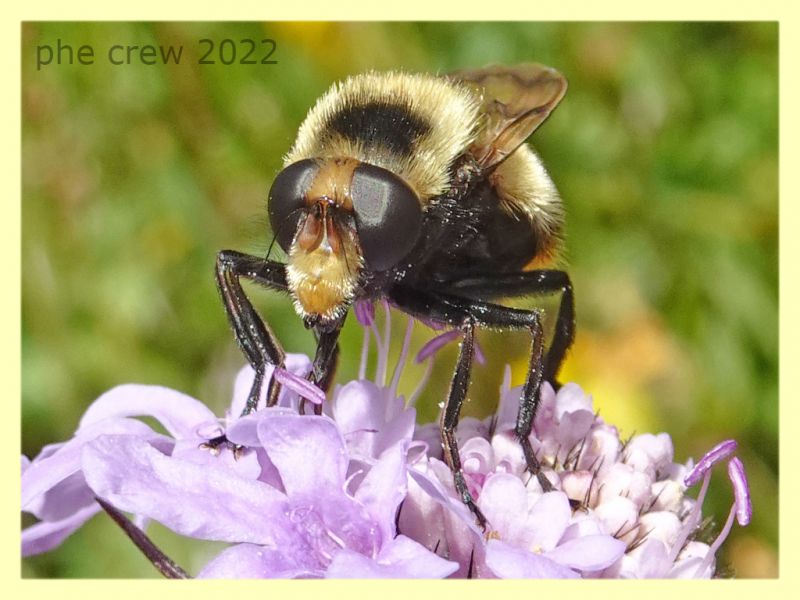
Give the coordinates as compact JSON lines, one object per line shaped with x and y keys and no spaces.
{"x":338,"y":218}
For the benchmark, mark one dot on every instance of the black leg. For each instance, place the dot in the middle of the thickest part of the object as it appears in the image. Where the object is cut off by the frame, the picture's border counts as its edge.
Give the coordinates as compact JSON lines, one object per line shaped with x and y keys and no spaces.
{"x":327,"y":353}
{"x":329,"y":370}
{"x":326,"y":358}
{"x":544,"y":281}
{"x":493,"y":315}
{"x":449,"y":420}
{"x":466,"y":314}
{"x":255,"y":338}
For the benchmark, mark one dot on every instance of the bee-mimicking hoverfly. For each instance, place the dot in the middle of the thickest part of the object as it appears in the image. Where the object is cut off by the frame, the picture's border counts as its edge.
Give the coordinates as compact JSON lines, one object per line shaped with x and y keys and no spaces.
{"x":420,"y":190}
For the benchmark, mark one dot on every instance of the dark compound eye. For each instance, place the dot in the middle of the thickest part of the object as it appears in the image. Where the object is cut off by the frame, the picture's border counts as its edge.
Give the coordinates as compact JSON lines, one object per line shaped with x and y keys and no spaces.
{"x":287,"y":200}
{"x":388,"y":216}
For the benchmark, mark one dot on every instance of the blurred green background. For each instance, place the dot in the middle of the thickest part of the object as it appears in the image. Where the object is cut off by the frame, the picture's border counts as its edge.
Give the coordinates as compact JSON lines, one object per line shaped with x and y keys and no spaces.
{"x":665,"y":151}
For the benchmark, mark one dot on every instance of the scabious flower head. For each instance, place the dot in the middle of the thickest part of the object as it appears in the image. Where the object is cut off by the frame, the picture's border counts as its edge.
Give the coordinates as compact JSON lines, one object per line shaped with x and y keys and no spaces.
{"x":362,"y":490}
{"x":283,"y":489}
{"x":620,"y":509}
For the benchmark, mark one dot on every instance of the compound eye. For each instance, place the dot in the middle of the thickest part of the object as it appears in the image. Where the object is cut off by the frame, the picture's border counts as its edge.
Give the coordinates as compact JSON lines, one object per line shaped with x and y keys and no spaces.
{"x":388,"y":216}
{"x":287,"y":200}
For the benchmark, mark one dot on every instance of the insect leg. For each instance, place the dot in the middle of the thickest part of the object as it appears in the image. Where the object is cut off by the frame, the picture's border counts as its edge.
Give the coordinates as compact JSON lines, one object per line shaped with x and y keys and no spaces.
{"x":450,"y":415}
{"x":564,"y":335}
{"x":502,"y":317}
{"x":255,"y":338}
{"x":326,"y":358}
{"x":327,"y":371}
{"x":466,"y":313}
{"x":543,"y":281}
{"x":428,"y":306}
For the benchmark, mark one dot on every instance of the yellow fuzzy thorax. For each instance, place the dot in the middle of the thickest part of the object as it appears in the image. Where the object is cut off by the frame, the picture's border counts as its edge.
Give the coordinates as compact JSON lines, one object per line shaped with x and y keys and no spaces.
{"x":445,"y":105}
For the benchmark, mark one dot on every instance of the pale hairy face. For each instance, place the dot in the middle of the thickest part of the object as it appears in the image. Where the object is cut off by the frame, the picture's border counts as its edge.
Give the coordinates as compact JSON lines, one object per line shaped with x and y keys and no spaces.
{"x":323,"y":269}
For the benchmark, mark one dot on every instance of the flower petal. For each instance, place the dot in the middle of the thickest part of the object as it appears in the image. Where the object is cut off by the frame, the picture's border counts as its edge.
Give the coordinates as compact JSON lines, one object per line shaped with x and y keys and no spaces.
{"x":250,"y":561}
{"x":244,"y":463}
{"x":422,"y":518}
{"x":400,"y":558}
{"x":572,"y":429}
{"x":63,"y":499}
{"x":545,"y":420}
{"x":383,"y":489}
{"x":462,"y":536}
{"x":570,"y":399}
{"x":356,"y":413}
{"x":299,"y":364}
{"x":431,"y":485}
{"x":589,"y":553}
{"x":178,"y":413}
{"x":46,"y":535}
{"x":45,"y":474}
{"x":513,"y":563}
{"x":398,"y":431}
{"x":619,"y":516}
{"x":650,"y":559}
{"x":549,"y":518}
{"x":582,"y":525}
{"x":690,"y":559}
{"x":503,"y":501}
{"x":661,"y":525}
{"x":308,"y":451}
{"x":241,"y":390}
{"x":600,"y":449}
{"x":649,"y":452}
{"x":508,"y":407}
{"x":244,"y":431}
{"x":623,"y":480}
{"x":202,"y":501}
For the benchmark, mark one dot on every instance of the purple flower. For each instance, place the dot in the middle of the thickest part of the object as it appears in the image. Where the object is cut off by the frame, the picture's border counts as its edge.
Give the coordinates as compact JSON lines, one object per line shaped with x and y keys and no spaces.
{"x":362,"y":491}
{"x":621,"y":508}
{"x":531,"y":533}
{"x":291,"y":501}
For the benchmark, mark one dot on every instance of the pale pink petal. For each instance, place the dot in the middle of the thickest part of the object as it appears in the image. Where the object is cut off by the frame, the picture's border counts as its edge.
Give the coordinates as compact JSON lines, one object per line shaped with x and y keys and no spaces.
{"x":548,"y":519}
{"x":44,"y":474}
{"x":201,"y":501}
{"x":178,"y":413}
{"x":308,"y":451}
{"x":589,"y":553}
{"x":249,"y":561}
{"x":401,"y":558}
{"x":509,"y":562}
{"x":504,"y":502}
{"x":46,"y":535}
{"x":383,"y":489}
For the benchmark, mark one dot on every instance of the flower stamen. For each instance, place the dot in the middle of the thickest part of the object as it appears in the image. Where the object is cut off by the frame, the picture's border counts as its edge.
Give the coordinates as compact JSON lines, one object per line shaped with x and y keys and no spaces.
{"x":741,"y":491}
{"x":437,"y":343}
{"x":365,"y":312}
{"x":299,"y":385}
{"x":401,"y":360}
{"x":719,"y":452}
{"x":691,"y":521}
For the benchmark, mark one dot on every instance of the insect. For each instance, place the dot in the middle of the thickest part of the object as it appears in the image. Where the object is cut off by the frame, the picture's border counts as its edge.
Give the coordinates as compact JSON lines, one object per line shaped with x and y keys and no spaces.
{"x":418,"y":189}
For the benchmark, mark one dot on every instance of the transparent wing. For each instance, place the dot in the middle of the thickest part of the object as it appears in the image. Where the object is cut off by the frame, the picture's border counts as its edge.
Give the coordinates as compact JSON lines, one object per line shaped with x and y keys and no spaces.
{"x":514,"y":102}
